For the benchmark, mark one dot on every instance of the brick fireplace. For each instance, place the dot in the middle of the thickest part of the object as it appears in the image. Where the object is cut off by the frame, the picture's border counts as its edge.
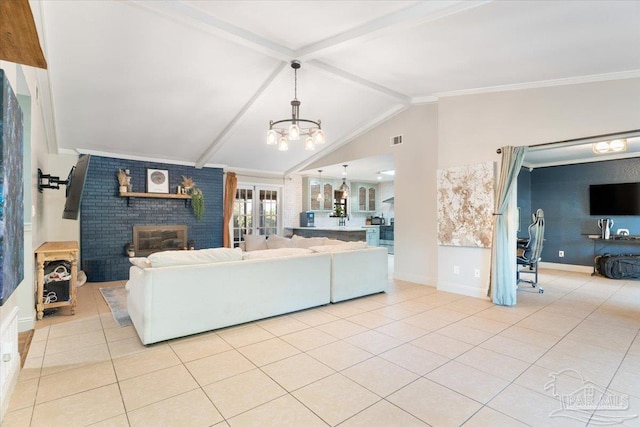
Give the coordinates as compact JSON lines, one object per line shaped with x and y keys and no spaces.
{"x":107,"y":220}
{"x":148,"y":239}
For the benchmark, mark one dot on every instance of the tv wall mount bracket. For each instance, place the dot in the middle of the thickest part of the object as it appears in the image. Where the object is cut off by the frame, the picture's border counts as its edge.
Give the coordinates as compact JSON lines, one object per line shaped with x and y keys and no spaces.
{"x":49,"y":181}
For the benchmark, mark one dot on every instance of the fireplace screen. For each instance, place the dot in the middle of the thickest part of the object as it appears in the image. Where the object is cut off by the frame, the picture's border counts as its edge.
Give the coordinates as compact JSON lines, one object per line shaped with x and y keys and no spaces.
{"x":155,"y":238}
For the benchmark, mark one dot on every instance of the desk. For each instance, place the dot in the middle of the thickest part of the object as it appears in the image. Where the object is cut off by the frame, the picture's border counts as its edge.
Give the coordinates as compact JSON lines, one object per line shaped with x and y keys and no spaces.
{"x":57,"y":251}
{"x":599,"y":244}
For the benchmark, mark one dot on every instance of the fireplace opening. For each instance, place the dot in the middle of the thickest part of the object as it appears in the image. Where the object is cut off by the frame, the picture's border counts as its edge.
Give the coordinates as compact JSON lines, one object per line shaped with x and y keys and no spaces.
{"x":148,"y":239}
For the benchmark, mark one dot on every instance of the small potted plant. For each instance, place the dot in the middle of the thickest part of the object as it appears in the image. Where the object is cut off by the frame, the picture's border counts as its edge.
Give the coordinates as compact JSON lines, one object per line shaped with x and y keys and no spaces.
{"x":197,"y":198}
{"x":123,"y":181}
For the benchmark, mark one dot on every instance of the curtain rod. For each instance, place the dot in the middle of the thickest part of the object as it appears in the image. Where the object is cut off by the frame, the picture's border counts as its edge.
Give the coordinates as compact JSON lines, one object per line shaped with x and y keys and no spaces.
{"x":579,"y":141}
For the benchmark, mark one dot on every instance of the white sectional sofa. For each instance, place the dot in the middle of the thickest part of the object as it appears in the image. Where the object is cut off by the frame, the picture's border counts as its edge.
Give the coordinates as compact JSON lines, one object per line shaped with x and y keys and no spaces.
{"x":357,"y":273}
{"x":178,"y":300}
{"x":177,"y":293}
{"x":356,"y":269}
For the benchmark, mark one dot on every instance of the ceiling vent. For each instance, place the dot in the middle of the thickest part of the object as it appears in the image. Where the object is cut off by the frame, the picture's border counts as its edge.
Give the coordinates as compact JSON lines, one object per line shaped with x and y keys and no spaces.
{"x":396,"y":140}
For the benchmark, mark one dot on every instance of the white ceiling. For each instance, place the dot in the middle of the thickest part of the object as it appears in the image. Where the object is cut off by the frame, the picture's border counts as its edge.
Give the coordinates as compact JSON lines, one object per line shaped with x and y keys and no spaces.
{"x":198,"y":81}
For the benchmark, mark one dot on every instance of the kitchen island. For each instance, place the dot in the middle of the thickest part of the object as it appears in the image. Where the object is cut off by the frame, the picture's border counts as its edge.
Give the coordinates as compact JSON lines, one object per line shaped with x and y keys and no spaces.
{"x":346,"y":234}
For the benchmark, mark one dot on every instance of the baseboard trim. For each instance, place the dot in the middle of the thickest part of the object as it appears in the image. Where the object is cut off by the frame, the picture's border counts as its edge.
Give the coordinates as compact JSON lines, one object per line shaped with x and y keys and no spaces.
{"x":413,"y":278}
{"x":567,"y":267}
{"x":26,"y":323}
{"x":469,"y":291}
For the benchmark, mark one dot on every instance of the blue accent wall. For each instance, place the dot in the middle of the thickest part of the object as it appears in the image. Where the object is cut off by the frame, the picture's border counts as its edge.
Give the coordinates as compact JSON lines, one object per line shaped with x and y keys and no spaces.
{"x":107,"y":220}
{"x":563,"y":193}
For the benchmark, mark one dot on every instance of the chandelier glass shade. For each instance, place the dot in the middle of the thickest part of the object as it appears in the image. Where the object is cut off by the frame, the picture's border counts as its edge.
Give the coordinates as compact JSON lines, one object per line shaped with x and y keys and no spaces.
{"x":282,"y":131}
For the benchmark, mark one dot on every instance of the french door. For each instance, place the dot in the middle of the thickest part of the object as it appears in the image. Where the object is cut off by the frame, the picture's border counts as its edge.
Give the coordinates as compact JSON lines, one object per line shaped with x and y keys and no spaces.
{"x":255,"y":211}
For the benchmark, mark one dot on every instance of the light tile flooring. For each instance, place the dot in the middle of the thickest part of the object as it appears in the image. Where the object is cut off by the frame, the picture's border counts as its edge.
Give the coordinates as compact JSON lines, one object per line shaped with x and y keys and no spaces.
{"x":411,"y":357}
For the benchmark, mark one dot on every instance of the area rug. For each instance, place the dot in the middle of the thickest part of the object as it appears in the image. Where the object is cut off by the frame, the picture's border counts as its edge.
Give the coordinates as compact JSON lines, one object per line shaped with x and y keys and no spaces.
{"x":116,"y":299}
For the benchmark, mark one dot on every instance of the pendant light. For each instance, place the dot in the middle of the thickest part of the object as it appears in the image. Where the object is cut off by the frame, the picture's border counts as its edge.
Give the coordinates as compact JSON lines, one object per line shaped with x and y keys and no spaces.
{"x":344,"y":187}
{"x":320,"y":195}
{"x":297,"y":128}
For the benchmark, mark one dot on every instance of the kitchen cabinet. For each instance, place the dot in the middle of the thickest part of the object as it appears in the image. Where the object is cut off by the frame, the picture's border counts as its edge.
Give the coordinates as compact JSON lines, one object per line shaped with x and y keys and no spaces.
{"x":311,"y":188}
{"x":364,"y":197}
{"x":373,"y":234}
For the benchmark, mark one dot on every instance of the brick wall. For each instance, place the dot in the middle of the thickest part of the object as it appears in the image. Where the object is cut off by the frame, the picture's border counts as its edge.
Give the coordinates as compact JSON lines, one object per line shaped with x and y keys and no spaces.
{"x":107,"y":220}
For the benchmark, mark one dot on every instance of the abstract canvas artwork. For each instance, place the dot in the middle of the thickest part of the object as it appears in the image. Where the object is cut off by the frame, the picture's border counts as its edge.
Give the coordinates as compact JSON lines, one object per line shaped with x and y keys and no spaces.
{"x":465,"y":205}
{"x":12,"y":194}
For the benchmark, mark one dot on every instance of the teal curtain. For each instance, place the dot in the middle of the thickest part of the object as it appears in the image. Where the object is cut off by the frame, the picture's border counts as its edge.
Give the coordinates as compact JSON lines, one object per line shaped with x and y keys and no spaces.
{"x":503,"y":282}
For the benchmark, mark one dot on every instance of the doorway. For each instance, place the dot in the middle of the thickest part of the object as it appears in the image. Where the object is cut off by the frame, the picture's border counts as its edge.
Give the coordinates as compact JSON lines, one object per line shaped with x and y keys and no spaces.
{"x":256,"y":210}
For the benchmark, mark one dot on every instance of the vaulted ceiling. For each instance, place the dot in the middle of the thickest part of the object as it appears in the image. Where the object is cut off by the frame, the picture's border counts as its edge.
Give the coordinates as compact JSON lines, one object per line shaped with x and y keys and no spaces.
{"x":198,"y":81}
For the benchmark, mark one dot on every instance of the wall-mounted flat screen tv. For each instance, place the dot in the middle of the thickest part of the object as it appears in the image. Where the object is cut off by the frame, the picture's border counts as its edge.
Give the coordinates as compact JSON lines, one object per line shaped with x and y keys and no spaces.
{"x":75,"y":187}
{"x":614,"y":199}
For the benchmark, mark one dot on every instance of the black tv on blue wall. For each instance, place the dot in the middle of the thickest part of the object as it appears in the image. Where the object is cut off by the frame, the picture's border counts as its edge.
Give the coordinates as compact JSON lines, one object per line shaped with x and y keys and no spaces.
{"x":75,"y":187}
{"x":614,"y":199}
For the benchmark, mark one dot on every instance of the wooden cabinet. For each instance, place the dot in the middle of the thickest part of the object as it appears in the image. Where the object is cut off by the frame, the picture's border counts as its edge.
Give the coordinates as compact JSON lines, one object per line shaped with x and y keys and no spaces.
{"x":364,"y":197}
{"x":311,"y":188}
{"x":57,"y":251}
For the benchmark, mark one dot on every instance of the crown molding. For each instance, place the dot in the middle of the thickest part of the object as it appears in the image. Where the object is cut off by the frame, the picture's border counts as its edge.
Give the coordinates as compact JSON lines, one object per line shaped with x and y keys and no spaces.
{"x":419,"y":100}
{"x":137,"y":158}
{"x":544,"y":83}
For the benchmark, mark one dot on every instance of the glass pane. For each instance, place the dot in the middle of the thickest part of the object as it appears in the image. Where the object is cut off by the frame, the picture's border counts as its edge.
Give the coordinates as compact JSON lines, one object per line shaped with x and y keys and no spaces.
{"x":372,"y":199}
{"x":314,"y":190}
{"x":328,"y":197}
{"x":362,"y":198}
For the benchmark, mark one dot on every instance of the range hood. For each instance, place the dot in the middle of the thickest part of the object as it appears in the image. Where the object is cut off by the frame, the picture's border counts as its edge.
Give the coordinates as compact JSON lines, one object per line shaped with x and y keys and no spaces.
{"x":389,"y":200}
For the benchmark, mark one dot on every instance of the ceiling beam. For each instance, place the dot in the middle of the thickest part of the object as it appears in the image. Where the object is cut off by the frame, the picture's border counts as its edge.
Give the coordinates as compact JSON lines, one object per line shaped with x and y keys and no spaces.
{"x":222,"y":137}
{"x":186,"y":13}
{"x":19,"y":41}
{"x":352,"y":78}
{"x":420,"y":13}
{"x":396,"y":109}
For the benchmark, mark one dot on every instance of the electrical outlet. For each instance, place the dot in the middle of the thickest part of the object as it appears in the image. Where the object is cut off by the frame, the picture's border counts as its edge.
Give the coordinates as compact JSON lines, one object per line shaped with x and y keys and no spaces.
{"x":476,"y":272}
{"x":456,"y":269}
{"x":561,"y":254}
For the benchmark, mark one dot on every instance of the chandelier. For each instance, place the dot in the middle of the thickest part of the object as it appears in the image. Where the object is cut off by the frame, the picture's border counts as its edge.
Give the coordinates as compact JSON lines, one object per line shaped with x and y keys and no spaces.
{"x":281,"y":135}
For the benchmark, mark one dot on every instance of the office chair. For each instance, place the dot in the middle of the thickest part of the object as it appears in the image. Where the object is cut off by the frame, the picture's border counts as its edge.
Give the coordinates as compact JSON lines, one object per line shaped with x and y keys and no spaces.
{"x":529,"y":254}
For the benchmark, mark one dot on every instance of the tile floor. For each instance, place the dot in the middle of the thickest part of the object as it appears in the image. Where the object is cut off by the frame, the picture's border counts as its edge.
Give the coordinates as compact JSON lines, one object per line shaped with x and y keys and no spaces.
{"x":411,"y":357}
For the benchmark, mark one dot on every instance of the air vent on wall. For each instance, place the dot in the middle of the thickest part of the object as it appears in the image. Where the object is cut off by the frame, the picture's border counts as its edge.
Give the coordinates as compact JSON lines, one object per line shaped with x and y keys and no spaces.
{"x":396,"y":140}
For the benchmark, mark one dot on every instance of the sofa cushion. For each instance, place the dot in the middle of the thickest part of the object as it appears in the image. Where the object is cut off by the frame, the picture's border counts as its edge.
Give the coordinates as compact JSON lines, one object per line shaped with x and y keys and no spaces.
{"x":277,"y":242}
{"x":141,"y":262}
{"x":307,"y":242}
{"x":346,"y":246}
{"x":254,"y":242}
{"x":276,"y":253}
{"x":202,"y":256}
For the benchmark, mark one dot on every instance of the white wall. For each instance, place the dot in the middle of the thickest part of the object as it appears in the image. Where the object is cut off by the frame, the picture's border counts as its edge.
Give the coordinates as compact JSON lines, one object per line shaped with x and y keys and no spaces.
{"x":472,"y":127}
{"x":414,"y":187}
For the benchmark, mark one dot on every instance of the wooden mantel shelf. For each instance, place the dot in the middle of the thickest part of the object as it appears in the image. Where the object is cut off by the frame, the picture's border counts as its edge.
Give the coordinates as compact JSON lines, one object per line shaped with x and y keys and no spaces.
{"x":157,"y":195}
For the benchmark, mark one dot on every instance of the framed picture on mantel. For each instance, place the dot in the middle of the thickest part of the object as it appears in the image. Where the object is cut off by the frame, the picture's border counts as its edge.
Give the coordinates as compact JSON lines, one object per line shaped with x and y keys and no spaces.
{"x":157,"y":181}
